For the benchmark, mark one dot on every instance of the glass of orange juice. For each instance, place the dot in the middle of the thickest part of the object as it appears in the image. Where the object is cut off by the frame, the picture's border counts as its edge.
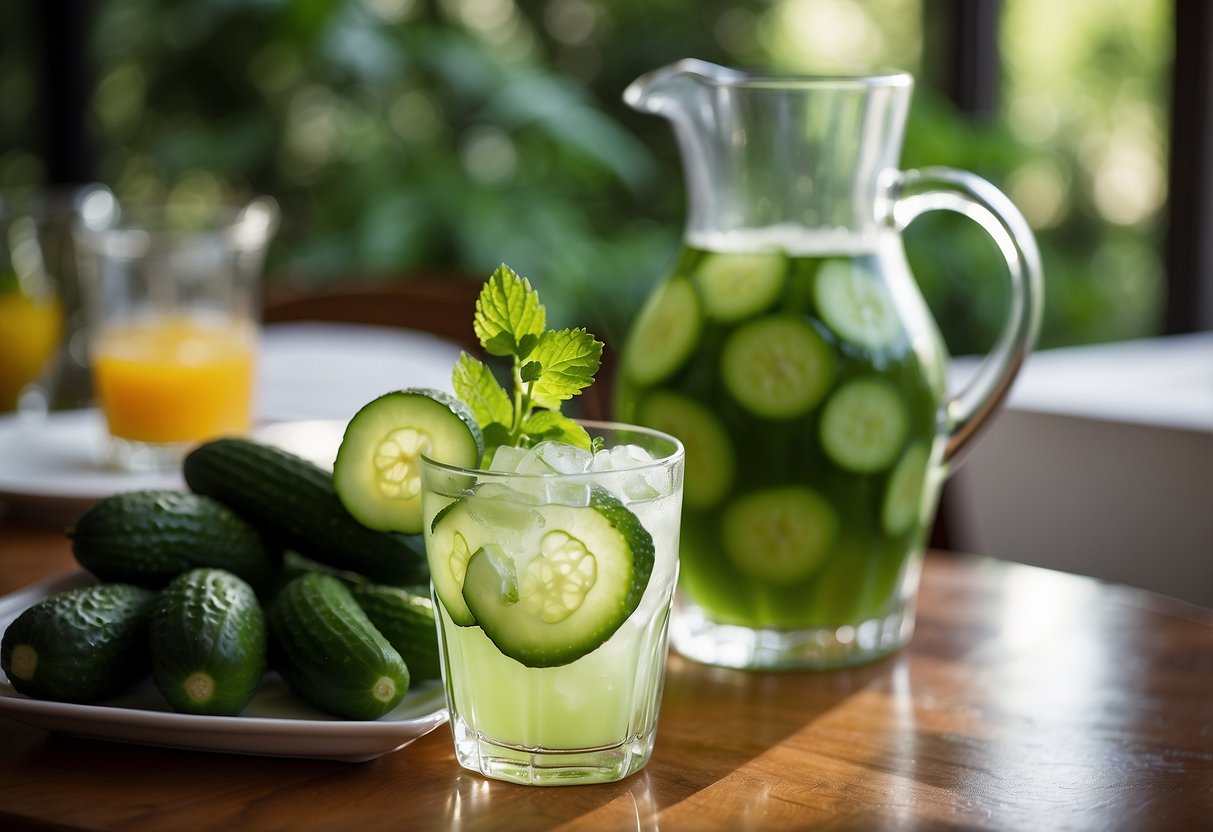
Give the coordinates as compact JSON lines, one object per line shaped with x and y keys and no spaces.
{"x":172,"y":322}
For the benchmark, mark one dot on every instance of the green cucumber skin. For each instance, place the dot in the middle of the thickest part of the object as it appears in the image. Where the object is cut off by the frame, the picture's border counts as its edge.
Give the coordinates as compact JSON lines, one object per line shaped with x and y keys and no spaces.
{"x":149,"y":537}
{"x":293,"y":502}
{"x":208,"y":621}
{"x":406,"y":620}
{"x":91,"y":643}
{"x":329,"y":652}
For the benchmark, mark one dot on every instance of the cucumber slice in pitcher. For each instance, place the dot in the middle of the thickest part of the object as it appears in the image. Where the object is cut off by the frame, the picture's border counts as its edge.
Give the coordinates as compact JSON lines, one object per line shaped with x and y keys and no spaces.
{"x":779,"y":535}
{"x":864,"y":425}
{"x":709,"y":454}
{"x":666,"y":333}
{"x":856,"y":305}
{"x":777,"y":367}
{"x":589,"y":575}
{"x":902,"y":504}
{"x":377,"y":473}
{"x":737,"y":285}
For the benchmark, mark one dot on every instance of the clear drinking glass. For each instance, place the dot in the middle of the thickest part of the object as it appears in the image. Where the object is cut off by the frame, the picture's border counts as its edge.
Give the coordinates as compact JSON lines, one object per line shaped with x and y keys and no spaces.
{"x":172,"y":315}
{"x":590,"y":719}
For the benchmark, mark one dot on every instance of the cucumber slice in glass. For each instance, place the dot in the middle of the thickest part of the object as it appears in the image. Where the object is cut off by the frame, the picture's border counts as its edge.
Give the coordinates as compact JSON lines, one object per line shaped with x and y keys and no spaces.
{"x":779,"y":535}
{"x":737,"y":285}
{"x":454,"y":537}
{"x":856,"y":305}
{"x":864,"y":425}
{"x":777,"y":367}
{"x":377,"y":473}
{"x":709,"y":454}
{"x":902,"y":503}
{"x":588,"y":576}
{"x":665,"y":334}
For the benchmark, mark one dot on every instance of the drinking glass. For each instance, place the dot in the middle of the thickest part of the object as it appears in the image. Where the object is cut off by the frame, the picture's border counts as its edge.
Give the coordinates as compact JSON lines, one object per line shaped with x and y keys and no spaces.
{"x":41,"y":361}
{"x":172,"y":311}
{"x":576,"y":719}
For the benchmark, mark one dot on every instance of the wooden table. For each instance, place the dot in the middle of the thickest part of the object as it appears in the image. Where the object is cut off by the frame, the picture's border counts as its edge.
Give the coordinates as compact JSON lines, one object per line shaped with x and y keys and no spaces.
{"x":1028,"y":699}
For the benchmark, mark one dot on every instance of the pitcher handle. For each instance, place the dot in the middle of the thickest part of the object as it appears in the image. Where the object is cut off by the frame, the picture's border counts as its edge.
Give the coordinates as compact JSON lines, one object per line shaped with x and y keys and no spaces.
{"x":914,"y":192}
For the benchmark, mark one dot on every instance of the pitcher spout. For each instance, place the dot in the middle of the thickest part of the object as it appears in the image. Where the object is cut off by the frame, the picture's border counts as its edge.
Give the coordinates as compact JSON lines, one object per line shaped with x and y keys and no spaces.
{"x":671,"y":88}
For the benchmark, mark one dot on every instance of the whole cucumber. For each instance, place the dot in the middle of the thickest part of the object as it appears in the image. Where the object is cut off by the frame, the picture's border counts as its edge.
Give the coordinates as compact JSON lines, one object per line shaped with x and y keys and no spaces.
{"x":208,"y":642}
{"x":149,"y":537}
{"x":82,"y":645}
{"x":330,"y":653}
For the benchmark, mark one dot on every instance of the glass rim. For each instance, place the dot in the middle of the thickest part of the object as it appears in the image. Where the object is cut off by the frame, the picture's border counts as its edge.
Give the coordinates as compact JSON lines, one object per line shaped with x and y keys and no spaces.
{"x":879,"y":79}
{"x":591,"y":425}
{"x":140,"y":231}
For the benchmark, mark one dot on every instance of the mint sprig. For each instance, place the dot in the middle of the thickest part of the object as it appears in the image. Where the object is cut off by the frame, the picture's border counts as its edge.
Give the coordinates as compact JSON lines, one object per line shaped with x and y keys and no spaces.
{"x":547,"y":367}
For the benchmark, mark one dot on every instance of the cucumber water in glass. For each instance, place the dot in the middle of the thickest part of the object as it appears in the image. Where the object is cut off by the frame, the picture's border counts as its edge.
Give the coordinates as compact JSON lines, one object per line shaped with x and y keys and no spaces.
{"x":553,"y":574}
{"x":552,"y":546}
{"x":790,"y":350}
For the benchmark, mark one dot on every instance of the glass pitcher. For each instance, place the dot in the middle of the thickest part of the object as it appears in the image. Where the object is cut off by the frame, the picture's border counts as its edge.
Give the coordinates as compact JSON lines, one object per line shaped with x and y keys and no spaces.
{"x":790,"y":350}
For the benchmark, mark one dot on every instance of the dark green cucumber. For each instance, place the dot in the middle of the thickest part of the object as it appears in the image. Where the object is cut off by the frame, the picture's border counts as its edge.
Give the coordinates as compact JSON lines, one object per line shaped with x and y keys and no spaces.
{"x":83,"y":645}
{"x":377,"y":473}
{"x":149,"y":537}
{"x":406,"y":619}
{"x":592,"y":568}
{"x":208,"y":643}
{"x":330,"y":653}
{"x":293,"y":501}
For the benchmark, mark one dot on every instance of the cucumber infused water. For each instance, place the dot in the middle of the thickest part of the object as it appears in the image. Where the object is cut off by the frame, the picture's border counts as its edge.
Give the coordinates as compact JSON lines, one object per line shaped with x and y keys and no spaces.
{"x":810,"y":416}
{"x":552,"y":546}
{"x":553,"y":586}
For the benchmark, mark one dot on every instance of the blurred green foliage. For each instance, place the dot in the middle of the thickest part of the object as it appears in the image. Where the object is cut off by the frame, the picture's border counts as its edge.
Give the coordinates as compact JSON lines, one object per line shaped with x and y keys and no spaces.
{"x":405,"y":135}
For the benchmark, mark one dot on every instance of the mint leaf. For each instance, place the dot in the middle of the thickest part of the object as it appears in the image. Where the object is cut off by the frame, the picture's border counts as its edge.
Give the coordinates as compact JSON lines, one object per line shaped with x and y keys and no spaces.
{"x":548,"y":424}
{"x":509,"y":318}
{"x":475,"y":384}
{"x":568,"y":359}
{"x":530,"y":371}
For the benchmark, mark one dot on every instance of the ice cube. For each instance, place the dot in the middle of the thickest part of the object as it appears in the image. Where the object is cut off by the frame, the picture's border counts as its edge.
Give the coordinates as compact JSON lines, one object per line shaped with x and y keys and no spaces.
{"x":620,"y":457}
{"x":642,"y":485}
{"x":501,"y":507}
{"x":563,"y":459}
{"x":507,"y":458}
{"x":570,"y":491}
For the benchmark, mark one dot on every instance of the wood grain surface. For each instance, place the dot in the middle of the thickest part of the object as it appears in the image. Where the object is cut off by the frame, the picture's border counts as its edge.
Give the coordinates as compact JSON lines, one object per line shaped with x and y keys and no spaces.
{"x":1028,"y":699}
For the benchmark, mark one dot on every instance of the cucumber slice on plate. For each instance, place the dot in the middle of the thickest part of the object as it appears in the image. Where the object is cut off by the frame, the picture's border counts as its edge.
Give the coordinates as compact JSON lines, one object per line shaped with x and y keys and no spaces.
{"x":777,"y":367}
{"x":779,"y":535}
{"x":665,"y":335}
{"x":737,"y":285}
{"x":455,"y":535}
{"x":709,"y":454}
{"x":588,"y":576}
{"x":856,"y":305}
{"x":902,"y":503}
{"x":377,"y":473}
{"x":864,"y":425}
